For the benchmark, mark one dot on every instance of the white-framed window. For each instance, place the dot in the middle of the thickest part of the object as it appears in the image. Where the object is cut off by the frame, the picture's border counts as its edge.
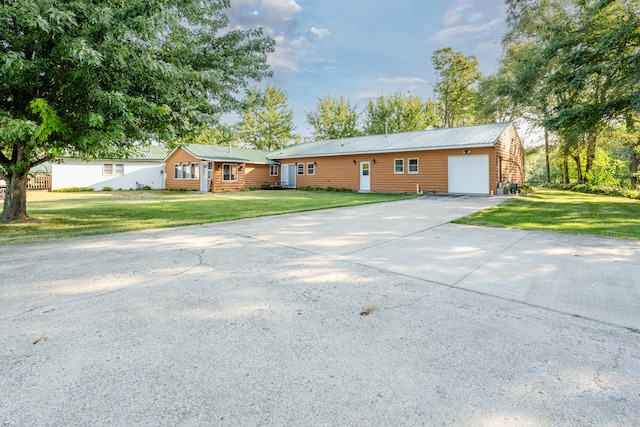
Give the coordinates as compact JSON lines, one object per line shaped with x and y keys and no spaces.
{"x":186,"y":171}
{"x":229,"y":172}
{"x":300,"y":168}
{"x":398,"y":166}
{"x":311,"y":168}
{"x":107,"y":169}
{"x":273,"y":170}
{"x":119,"y":169}
{"x":177,"y":171}
{"x":194,"y":170}
{"x":413,"y":165}
{"x":209,"y":170}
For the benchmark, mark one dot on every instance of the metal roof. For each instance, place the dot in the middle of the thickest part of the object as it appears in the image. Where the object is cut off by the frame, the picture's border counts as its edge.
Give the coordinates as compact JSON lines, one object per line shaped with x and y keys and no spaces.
{"x":142,"y":153}
{"x":219,"y":153}
{"x":150,"y":152}
{"x":432,"y":139}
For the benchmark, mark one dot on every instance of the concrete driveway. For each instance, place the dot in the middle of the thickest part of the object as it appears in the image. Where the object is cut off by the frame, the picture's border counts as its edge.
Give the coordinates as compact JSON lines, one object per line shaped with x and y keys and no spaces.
{"x":375,"y":315}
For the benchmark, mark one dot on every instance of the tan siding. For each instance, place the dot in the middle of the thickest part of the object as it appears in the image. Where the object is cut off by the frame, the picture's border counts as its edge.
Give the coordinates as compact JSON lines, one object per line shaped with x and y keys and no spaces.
{"x":220,"y":186}
{"x":257,"y":175}
{"x":336,"y":172}
{"x":341,"y":172}
{"x":509,"y":148}
{"x":180,"y":156}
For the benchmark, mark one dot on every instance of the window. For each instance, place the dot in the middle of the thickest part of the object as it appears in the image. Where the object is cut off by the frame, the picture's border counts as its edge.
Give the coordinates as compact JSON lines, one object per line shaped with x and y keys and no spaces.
{"x":107,"y":169}
{"x":398,"y":166}
{"x":119,"y":169}
{"x":229,"y":172}
{"x":194,"y":171}
{"x":311,"y":168}
{"x":209,"y":170}
{"x":273,"y":170}
{"x":186,"y":171}
{"x":413,"y":165}
{"x":177,"y":171}
{"x":300,"y":168}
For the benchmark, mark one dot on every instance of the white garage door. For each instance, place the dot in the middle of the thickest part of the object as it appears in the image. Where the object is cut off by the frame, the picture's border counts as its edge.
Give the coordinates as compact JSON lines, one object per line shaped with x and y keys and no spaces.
{"x":469,"y":174}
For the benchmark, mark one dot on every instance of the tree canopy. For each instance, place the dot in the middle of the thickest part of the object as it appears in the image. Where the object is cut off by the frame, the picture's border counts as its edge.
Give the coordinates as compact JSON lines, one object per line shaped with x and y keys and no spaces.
{"x":399,"y":113}
{"x":574,"y":65}
{"x":267,"y":122}
{"x":95,"y":78}
{"x":455,"y":89}
{"x":334,"y":118}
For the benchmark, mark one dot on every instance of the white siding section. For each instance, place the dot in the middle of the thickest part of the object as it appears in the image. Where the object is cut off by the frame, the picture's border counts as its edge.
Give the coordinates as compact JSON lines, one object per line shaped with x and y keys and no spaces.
{"x":77,"y":173}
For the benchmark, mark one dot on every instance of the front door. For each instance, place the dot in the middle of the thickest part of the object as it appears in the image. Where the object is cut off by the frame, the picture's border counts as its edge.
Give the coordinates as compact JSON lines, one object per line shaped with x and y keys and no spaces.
{"x":365,"y":176}
{"x":288,"y":178}
{"x":204,"y":178}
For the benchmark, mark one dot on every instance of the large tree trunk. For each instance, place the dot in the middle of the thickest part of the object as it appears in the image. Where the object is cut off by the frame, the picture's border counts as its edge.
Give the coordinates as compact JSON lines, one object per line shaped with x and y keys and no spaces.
{"x":15,"y":199}
{"x":635,"y":162}
{"x":635,"y":152}
{"x":565,"y":170}
{"x":579,"y":169}
{"x":546,"y":154}
{"x":592,"y":139}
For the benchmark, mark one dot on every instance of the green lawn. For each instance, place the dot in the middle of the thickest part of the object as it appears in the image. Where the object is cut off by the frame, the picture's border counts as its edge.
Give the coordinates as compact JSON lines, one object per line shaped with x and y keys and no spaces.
{"x":565,"y":212}
{"x":63,"y":215}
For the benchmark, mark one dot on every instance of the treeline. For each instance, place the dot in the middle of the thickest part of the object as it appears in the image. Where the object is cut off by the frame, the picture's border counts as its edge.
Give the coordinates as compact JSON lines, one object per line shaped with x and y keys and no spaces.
{"x":571,"y":68}
{"x":267,"y":120}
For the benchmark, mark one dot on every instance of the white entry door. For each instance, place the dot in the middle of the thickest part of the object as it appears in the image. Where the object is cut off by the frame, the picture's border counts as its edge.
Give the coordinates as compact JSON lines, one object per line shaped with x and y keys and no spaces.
{"x":469,"y":174}
{"x":204,"y":181}
{"x":288,"y":176}
{"x":365,"y":176}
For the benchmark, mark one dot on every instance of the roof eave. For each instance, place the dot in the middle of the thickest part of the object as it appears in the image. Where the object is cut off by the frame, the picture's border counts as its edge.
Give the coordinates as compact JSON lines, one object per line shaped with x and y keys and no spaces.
{"x":402,"y":150}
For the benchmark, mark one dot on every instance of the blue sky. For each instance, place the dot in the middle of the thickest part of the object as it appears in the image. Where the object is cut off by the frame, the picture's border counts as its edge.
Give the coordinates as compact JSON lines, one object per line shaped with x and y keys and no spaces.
{"x":365,"y":48}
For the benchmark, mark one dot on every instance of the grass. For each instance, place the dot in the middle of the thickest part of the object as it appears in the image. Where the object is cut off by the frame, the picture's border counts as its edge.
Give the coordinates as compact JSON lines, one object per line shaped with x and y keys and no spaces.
{"x":64,"y":215}
{"x":564,"y":212}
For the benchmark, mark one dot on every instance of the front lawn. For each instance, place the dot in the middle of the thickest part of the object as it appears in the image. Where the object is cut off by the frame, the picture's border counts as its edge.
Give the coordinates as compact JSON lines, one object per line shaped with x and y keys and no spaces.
{"x":63,"y":215}
{"x":564,"y":212}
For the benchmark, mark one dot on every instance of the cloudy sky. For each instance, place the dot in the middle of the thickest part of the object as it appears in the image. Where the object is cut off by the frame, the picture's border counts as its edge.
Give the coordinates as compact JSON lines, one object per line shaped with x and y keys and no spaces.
{"x":365,"y":48}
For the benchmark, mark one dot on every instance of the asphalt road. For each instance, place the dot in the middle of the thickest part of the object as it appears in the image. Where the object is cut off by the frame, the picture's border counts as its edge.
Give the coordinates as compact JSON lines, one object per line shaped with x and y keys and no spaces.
{"x":374,"y":315}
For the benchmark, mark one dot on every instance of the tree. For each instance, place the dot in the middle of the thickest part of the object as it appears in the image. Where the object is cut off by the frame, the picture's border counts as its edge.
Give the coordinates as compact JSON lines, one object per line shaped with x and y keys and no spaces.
{"x":333,"y":119}
{"x":97,"y":78}
{"x":220,"y":134}
{"x":590,"y":52}
{"x":458,"y":76}
{"x":267,"y":122}
{"x":399,"y":113}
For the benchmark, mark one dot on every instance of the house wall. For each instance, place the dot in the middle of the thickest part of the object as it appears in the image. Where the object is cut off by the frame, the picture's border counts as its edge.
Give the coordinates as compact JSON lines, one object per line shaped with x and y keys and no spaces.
{"x":256,"y":175}
{"x":78,"y":173}
{"x":249,"y":175}
{"x":180,"y":156}
{"x":341,"y":172}
{"x":509,"y":148}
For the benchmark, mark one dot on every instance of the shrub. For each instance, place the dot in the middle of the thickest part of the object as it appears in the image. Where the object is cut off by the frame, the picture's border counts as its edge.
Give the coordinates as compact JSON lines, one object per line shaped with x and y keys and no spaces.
{"x":107,"y":189}
{"x":604,"y":190}
{"x":146,"y":187}
{"x":73,"y":190}
{"x":335,"y":189}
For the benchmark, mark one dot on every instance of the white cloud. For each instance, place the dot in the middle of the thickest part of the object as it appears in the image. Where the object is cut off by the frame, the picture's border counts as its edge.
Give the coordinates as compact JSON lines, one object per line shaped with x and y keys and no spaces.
{"x":462,"y":33}
{"x":279,"y":19}
{"x":320,"y":33}
{"x":471,"y":19}
{"x":398,"y":81}
{"x":280,"y":10}
{"x":390,"y":85}
{"x":288,"y":53}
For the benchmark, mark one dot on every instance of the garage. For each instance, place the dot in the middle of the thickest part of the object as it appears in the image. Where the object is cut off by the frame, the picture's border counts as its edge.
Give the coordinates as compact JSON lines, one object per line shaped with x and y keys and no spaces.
{"x":469,"y":174}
